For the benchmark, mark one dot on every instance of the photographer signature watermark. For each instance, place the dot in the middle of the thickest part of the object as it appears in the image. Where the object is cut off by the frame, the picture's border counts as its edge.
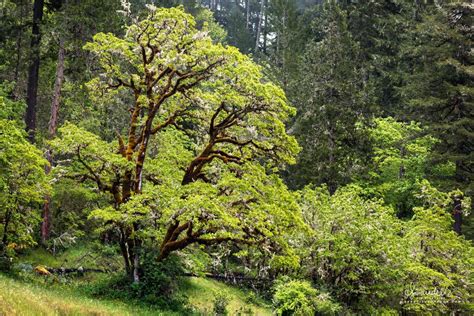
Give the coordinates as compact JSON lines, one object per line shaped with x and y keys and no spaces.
{"x":413,"y":295}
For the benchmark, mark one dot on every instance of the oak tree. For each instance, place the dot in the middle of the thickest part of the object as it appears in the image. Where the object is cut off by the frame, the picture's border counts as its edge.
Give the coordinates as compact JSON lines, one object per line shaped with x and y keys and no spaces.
{"x":204,"y":139}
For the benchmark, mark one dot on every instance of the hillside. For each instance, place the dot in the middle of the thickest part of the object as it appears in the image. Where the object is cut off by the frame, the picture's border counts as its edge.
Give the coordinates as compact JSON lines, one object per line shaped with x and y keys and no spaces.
{"x":19,"y":298}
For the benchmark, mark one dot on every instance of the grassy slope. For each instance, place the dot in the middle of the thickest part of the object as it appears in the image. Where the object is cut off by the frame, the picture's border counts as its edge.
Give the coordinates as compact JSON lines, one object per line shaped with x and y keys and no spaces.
{"x":201,"y":295}
{"x":18,"y":298}
{"x":21,"y":298}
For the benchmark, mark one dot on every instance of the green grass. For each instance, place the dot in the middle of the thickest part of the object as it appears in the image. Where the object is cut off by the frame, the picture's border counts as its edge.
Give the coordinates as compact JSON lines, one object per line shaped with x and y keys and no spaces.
{"x":201,"y":293}
{"x":19,"y":298}
{"x":81,"y":255}
{"x":30,"y":294}
{"x":25,"y":298}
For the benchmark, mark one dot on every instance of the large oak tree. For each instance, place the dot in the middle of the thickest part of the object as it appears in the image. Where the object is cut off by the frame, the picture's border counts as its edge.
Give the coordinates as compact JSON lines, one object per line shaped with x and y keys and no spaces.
{"x":197,"y":162}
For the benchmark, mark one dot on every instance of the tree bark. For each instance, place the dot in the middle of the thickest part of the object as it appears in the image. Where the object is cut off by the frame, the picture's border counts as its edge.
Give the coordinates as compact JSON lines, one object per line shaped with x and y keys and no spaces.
{"x":265,"y":31}
{"x":19,"y":41}
{"x":52,"y":127}
{"x":457,"y":214}
{"x":33,"y":71}
{"x":259,"y":24}
{"x":247,"y":14}
{"x":136,"y":256}
{"x":124,"y":251}
{"x":136,"y":267}
{"x":53,"y":120}
{"x":5,"y":229}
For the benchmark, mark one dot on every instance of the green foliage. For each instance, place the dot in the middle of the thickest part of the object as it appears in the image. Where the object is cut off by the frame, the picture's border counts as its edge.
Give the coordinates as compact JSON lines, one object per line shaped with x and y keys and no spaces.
{"x":221,"y":301}
{"x":437,"y":71}
{"x":23,"y":184}
{"x":9,"y":109}
{"x":379,"y":26}
{"x":402,"y":154}
{"x":370,"y":259}
{"x":294,"y":297}
{"x":158,"y":287}
{"x":440,"y":262}
{"x":354,"y":248}
{"x":171,"y":140}
{"x":160,"y":282}
{"x":205,"y":20}
{"x":334,"y":100}
{"x":216,"y":119}
{"x":70,"y":206}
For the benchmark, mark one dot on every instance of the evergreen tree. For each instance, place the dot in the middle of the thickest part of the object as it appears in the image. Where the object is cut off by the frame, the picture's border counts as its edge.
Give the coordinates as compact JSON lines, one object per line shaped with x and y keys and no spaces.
{"x":378,"y":26}
{"x":333,"y":99}
{"x":438,"y":87}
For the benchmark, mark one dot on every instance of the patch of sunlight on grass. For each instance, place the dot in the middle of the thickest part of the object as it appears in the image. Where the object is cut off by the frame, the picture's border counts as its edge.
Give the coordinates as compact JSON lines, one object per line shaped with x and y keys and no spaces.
{"x":201,"y":293}
{"x":17,"y":298}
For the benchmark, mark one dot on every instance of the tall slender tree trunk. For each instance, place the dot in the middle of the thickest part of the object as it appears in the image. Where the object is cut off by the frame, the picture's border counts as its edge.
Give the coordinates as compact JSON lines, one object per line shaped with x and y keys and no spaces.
{"x":401,"y":169}
{"x":18,"y":90}
{"x":136,"y":258}
{"x":331,"y":158}
{"x":33,"y":71}
{"x":5,"y":228}
{"x":457,"y":214}
{"x":247,"y":15}
{"x":52,"y":127}
{"x":259,"y":24}
{"x":19,"y":48}
{"x":58,"y":84}
{"x":265,"y":31}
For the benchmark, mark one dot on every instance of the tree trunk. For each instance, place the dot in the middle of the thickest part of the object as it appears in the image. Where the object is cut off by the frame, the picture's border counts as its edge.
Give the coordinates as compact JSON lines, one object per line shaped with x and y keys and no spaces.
{"x":401,"y":169}
{"x":53,"y":120}
{"x":52,"y":127}
{"x":265,"y":31}
{"x":136,"y":266}
{"x":457,"y":214}
{"x":124,"y":251}
{"x":259,"y":25}
{"x":33,"y":71}
{"x":136,"y":256}
{"x":247,"y":15}
{"x":5,"y":229}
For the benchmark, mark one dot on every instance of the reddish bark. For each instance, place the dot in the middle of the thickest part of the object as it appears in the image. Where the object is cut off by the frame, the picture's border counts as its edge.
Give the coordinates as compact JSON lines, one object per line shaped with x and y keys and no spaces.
{"x":52,"y":126}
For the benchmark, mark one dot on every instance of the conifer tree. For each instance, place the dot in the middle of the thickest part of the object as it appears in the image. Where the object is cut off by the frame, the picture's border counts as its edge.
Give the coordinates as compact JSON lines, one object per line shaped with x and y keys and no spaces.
{"x":333,"y":99}
{"x":438,"y":85}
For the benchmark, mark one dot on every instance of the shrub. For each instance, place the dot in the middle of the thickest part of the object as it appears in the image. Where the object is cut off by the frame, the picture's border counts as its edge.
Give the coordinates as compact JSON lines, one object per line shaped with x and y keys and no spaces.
{"x":221,"y":301}
{"x":294,"y":297}
{"x":158,"y":285}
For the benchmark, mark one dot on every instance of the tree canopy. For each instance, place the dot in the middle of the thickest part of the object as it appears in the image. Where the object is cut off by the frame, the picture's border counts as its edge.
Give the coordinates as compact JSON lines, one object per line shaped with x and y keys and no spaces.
{"x":200,"y":117}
